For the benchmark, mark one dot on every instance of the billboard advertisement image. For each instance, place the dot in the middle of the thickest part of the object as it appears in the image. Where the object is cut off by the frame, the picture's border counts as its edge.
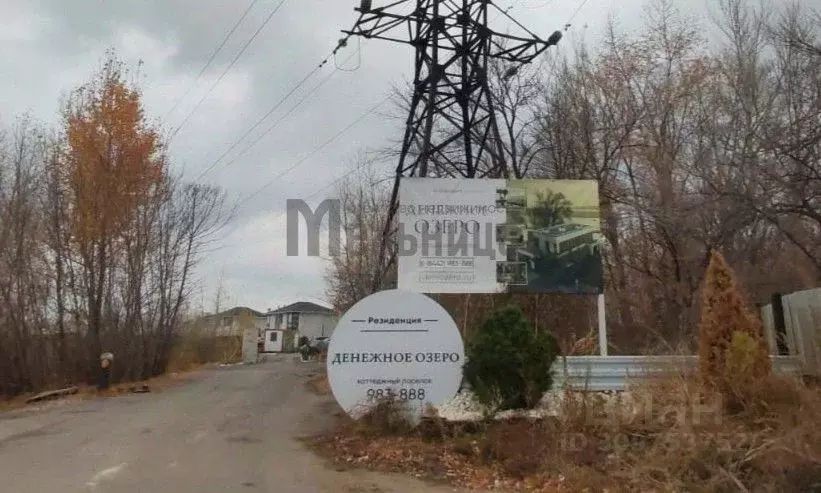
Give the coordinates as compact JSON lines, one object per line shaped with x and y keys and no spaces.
{"x":496,"y":235}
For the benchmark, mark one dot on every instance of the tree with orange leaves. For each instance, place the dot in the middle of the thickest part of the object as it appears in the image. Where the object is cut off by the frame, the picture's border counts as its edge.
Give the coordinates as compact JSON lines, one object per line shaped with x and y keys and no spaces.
{"x":113,"y":167}
{"x":115,"y":159}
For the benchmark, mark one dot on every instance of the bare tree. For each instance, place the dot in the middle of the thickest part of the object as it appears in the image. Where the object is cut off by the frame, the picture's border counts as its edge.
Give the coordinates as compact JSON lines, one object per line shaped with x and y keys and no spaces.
{"x":23,"y":264}
{"x":189,"y":219}
{"x":798,"y":28}
{"x":792,"y":137}
{"x":682,"y":141}
{"x":364,"y":198}
{"x":515,"y":92}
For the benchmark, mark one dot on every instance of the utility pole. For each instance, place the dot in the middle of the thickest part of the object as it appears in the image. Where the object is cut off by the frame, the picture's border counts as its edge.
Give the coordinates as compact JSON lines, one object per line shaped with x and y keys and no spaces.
{"x":451,"y":128}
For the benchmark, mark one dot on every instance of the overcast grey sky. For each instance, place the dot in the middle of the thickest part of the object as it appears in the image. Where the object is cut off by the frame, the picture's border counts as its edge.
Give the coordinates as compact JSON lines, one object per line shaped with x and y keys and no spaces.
{"x":48,"y":47}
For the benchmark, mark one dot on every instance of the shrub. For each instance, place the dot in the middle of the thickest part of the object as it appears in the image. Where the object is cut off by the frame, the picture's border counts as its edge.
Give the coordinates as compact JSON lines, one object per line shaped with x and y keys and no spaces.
{"x":387,"y":417}
{"x":743,"y":361}
{"x":509,"y":365}
{"x":723,"y":315}
{"x":746,"y":371}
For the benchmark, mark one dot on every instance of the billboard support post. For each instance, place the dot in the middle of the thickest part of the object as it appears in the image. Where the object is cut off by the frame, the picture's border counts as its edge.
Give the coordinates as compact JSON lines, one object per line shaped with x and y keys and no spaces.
{"x":602,"y":325}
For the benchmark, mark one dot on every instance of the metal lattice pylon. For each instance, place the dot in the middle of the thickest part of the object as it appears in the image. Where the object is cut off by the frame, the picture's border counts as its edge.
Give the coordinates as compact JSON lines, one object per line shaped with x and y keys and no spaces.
{"x":451,"y":128}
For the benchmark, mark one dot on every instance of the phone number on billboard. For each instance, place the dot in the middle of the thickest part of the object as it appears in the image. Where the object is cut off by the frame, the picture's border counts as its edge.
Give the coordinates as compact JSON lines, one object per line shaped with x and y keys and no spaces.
{"x":401,"y":394}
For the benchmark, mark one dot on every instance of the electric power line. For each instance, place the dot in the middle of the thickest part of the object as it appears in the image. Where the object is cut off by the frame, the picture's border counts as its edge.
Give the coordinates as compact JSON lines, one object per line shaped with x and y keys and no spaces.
{"x":257,"y":124}
{"x":260,"y":121}
{"x":358,"y":62}
{"x":315,"y":151}
{"x":314,"y":194}
{"x":222,"y":75}
{"x":578,"y":9}
{"x":500,"y":12}
{"x":279,"y":120}
{"x":505,"y":13}
{"x":211,"y":59}
{"x":540,"y":6}
{"x":342,"y":43}
{"x":244,"y":201}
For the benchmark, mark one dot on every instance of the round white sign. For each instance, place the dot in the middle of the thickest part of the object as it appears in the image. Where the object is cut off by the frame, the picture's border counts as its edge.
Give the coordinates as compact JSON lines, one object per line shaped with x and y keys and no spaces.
{"x":395,"y":345}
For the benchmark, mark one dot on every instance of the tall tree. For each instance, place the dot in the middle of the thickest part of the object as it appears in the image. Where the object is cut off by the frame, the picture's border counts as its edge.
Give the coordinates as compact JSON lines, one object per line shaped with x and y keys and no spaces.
{"x":364,"y":198}
{"x":114,"y":166}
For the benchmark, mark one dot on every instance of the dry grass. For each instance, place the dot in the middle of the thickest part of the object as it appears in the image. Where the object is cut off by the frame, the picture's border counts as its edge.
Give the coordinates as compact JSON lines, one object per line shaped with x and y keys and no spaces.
{"x":190,"y":354}
{"x":192,"y":351}
{"x":669,"y":437}
{"x":14,"y":403}
{"x":156,"y":384}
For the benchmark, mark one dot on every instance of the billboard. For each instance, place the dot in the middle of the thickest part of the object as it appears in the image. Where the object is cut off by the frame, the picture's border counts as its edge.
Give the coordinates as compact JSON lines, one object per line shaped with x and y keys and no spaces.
{"x":495,"y":235}
{"x":399,"y":345}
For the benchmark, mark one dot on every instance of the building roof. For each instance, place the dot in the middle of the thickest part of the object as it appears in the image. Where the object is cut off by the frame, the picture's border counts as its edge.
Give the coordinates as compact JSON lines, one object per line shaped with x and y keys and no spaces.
{"x":559,"y":230}
{"x":303,"y":307}
{"x":238,"y":309}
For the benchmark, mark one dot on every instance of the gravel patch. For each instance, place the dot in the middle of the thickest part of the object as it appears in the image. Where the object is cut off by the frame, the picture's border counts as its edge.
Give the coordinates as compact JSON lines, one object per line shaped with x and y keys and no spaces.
{"x":465,"y":407}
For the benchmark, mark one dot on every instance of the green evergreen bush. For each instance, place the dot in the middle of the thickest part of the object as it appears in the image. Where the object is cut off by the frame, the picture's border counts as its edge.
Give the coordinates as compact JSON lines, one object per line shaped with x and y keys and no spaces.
{"x":509,"y":364}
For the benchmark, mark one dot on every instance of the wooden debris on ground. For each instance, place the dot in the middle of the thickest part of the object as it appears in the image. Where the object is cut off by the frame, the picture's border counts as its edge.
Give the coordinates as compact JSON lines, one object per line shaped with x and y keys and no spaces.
{"x":52,"y":394}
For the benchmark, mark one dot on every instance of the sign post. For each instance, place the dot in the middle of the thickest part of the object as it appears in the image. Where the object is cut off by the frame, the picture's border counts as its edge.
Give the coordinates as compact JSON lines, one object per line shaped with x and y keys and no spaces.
{"x":399,"y":346}
{"x":602,"y":325}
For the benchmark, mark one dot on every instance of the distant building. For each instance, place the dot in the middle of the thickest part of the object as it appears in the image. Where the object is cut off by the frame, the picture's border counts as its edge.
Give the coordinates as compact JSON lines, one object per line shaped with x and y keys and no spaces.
{"x":284,"y":326}
{"x":233,"y":322}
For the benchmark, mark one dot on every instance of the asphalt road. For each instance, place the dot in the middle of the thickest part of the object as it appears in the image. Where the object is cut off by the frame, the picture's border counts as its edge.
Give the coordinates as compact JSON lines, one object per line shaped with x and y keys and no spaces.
{"x":231,"y":430}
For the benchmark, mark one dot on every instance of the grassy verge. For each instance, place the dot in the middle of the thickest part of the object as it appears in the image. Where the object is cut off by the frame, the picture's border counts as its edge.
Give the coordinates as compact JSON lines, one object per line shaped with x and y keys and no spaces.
{"x":188,"y":355}
{"x":156,"y":384}
{"x":666,"y":437}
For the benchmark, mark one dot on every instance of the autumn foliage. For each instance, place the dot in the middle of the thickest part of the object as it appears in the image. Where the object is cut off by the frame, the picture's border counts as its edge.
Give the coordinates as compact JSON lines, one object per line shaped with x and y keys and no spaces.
{"x":731,"y":338}
{"x":98,"y":240}
{"x":114,"y":161}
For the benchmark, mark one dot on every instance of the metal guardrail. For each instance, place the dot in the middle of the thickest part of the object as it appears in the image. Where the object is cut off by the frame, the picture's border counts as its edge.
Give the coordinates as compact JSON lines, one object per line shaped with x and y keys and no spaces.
{"x":600,"y":373}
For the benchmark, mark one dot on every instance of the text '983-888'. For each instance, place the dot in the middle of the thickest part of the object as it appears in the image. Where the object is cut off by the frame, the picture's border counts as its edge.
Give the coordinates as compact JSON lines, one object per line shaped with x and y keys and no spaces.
{"x":399,"y":394}
{"x":439,"y":357}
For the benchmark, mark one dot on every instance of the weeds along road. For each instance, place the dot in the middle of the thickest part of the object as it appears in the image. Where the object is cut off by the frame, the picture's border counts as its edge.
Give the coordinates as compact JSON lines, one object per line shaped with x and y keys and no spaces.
{"x":231,"y":430}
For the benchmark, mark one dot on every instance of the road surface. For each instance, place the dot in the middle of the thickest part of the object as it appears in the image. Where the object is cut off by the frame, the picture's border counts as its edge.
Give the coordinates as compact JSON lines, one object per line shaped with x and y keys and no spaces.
{"x":232,"y":430}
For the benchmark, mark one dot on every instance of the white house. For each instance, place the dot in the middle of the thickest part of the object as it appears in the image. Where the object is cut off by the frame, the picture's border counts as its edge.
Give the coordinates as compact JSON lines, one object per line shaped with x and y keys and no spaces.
{"x":284,"y":326}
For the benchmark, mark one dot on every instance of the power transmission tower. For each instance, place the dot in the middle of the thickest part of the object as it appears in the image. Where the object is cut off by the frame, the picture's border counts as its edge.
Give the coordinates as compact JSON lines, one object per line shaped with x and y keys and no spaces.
{"x":451,"y":128}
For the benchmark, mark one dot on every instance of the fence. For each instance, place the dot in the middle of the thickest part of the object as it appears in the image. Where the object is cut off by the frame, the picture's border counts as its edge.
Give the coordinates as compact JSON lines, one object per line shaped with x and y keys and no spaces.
{"x":793,"y":326}
{"x":600,"y":373}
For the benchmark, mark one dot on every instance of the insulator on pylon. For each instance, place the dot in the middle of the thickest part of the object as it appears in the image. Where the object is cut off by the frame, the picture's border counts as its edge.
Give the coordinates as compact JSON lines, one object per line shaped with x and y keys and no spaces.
{"x":365,"y":5}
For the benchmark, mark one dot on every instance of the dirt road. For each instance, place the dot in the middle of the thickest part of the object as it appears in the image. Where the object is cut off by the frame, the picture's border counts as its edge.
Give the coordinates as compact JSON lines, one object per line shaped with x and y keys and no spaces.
{"x":233,"y":429}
